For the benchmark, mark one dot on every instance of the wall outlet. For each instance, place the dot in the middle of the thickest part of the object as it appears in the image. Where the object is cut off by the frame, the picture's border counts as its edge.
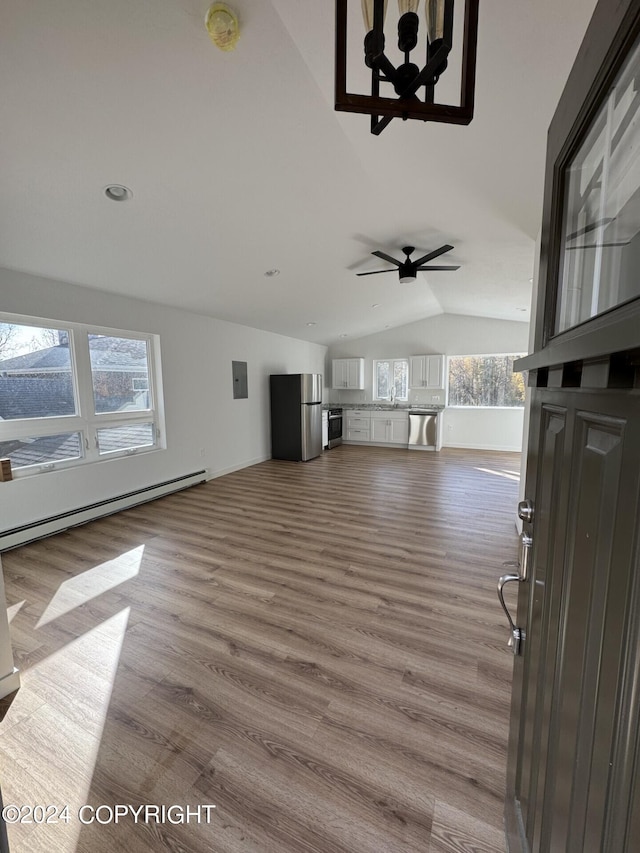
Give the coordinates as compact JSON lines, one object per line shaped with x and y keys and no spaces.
{"x":435,"y":398}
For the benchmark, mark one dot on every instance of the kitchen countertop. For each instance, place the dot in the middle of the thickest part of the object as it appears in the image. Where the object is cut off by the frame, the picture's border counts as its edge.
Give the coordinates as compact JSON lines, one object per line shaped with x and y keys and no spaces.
{"x":381,"y":407}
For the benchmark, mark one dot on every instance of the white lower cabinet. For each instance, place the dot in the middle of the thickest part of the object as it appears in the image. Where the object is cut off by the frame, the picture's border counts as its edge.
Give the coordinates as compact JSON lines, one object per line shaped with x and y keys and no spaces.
{"x":358,"y":425}
{"x":390,"y":427}
{"x":358,"y":434}
{"x":379,"y":429}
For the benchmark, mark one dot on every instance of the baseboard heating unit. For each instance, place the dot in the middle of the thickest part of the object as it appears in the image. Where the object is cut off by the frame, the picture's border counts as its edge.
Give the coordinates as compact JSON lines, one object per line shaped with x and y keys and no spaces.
{"x":72,"y":518}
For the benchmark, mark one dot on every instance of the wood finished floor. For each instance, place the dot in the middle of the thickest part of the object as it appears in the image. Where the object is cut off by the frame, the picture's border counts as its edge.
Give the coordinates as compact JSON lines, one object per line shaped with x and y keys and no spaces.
{"x":316,"y":649}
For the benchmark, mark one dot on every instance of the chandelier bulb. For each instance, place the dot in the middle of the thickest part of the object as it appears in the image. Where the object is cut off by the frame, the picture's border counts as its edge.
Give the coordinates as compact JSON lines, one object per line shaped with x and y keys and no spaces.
{"x":434,"y":11}
{"x":367,"y":13}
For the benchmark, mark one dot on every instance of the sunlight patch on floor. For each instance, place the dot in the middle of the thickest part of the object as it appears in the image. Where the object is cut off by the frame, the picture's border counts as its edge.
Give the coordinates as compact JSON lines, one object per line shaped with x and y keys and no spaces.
{"x":13,"y":610}
{"x":74,"y":686}
{"x":90,"y":584}
{"x":508,"y":475}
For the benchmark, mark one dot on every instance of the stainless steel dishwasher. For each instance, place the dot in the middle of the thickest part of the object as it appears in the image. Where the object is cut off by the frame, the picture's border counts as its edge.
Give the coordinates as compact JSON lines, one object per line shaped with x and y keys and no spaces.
{"x":423,"y":429}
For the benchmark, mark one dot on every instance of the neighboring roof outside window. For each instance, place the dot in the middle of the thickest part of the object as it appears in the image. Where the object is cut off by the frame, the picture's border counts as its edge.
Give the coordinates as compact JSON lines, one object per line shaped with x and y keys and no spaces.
{"x":51,"y":358}
{"x":127,"y":358}
{"x":28,"y":397}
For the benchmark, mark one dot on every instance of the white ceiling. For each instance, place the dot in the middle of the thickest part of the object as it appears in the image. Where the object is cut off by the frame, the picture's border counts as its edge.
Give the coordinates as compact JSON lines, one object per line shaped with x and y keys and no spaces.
{"x":239,"y":164}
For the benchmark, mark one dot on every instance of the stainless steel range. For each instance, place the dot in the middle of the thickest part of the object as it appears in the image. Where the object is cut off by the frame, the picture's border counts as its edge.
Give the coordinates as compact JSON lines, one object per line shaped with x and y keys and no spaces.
{"x":335,"y":427}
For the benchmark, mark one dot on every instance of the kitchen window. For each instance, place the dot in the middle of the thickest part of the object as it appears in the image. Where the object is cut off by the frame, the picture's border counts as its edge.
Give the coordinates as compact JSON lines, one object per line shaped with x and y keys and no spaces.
{"x":391,"y":379}
{"x":485,"y":381}
{"x":72,"y":394}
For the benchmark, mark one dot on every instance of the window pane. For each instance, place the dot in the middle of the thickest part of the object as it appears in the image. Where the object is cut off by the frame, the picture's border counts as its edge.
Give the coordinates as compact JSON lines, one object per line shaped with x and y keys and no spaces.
{"x":382,"y":380}
{"x":601,"y":229}
{"x":127,"y":437}
{"x":401,"y":379}
{"x":35,"y":373}
{"x":42,"y":449}
{"x":120,"y":374}
{"x":485,"y":381}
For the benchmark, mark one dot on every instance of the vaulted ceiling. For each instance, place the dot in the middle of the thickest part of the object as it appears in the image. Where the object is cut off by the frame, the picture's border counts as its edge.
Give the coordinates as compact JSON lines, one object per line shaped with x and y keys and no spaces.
{"x":239,"y":164}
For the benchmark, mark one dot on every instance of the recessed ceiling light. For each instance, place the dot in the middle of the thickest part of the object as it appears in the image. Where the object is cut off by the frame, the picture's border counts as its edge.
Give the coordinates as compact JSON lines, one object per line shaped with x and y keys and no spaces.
{"x":311,"y":324}
{"x":271,"y":273}
{"x":343,"y":336}
{"x":117,"y":192}
{"x":376,"y":304}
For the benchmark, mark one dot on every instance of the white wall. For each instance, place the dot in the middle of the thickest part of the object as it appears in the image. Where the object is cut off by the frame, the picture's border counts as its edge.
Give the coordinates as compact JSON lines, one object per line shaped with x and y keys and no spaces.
{"x":450,"y":334}
{"x":200,"y":412}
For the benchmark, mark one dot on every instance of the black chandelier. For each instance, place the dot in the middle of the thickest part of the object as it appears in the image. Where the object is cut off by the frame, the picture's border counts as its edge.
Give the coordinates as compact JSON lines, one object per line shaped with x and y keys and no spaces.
{"x":414,"y":87}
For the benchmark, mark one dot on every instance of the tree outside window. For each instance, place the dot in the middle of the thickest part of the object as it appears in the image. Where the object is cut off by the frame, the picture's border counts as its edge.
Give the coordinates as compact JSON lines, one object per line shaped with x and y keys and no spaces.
{"x":391,"y":379}
{"x":485,"y":380}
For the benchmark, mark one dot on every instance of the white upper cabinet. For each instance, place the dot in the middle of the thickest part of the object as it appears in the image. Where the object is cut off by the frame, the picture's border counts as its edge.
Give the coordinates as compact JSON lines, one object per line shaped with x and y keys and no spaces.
{"x":348,"y":373}
{"x":426,"y":371}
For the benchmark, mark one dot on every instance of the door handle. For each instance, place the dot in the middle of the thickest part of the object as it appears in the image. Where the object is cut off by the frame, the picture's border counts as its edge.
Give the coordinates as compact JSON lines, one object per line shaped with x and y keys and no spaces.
{"x":515,"y":638}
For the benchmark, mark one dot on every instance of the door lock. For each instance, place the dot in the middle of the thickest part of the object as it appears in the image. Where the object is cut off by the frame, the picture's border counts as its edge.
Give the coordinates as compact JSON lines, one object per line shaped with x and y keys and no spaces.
{"x":525,"y":511}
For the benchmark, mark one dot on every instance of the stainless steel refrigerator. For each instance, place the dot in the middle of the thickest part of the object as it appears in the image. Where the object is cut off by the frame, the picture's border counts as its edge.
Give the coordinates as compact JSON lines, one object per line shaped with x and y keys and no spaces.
{"x":296,"y":416}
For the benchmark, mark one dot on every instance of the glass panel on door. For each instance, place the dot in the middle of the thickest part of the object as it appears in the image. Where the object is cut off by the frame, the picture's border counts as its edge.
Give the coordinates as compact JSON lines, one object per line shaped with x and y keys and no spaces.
{"x":601,"y":226}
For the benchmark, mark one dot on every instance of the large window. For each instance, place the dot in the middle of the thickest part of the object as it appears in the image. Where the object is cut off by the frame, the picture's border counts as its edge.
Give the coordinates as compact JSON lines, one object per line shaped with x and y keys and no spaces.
{"x":485,"y":381}
{"x":391,"y":379}
{"x":72,"y":394}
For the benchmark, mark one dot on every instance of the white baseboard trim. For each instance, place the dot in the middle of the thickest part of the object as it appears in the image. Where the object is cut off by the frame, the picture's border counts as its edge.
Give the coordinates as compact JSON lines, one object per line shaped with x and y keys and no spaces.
{"x":499,"y":447}
{"x":10,"y":683}
{"x":222,"y":471}
{"x":56,"y":524}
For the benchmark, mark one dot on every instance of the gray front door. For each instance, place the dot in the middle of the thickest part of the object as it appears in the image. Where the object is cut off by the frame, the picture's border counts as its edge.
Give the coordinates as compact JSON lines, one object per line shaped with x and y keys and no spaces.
{"x":574,"y":753}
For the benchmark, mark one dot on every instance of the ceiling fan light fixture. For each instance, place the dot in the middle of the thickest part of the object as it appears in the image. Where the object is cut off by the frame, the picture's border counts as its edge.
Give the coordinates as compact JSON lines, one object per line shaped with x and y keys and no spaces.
{"x":407,"y":268}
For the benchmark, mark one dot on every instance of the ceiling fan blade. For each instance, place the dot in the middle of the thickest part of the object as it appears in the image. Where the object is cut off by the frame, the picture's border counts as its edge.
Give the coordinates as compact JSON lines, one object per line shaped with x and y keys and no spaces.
{"x":374,"y":272}
{"x":422,"y":269}
{"x":435,"y":254}
{"x":386,"y":257}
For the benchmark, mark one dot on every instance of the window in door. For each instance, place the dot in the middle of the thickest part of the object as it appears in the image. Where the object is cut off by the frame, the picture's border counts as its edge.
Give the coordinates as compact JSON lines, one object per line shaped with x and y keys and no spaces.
{"x":601,"y":229}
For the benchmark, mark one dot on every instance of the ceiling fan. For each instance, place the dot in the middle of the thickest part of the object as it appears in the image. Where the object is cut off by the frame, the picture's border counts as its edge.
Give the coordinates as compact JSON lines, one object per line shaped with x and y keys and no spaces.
{"x":407,"y":269}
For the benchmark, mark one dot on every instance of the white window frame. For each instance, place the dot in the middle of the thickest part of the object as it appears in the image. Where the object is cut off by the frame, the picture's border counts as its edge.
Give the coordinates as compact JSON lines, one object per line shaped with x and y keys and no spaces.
{"x":480,"y":355}
{"x":392,"y":361}
{"x":86,"y":421}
